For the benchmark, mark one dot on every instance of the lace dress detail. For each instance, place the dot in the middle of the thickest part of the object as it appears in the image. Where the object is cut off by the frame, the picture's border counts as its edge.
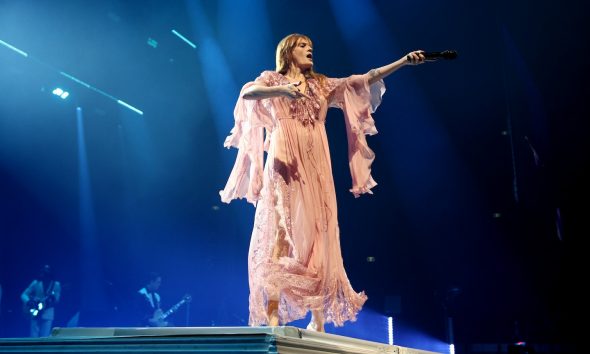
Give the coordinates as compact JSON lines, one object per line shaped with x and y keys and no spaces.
{"x":295,"y":255}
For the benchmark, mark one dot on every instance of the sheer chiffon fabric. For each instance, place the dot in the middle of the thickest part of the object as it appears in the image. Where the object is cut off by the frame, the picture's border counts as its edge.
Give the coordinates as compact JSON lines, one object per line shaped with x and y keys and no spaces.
{"x":295,"y":255}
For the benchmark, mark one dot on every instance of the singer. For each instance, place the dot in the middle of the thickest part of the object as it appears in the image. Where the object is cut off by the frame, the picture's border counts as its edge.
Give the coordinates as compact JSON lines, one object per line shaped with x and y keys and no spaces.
{"x":295,"y":263}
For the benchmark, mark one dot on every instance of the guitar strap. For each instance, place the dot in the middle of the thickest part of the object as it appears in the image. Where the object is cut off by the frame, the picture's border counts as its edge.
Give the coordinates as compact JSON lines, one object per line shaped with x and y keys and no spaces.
{"x":49,"y":288}
{"x":156,"y":300}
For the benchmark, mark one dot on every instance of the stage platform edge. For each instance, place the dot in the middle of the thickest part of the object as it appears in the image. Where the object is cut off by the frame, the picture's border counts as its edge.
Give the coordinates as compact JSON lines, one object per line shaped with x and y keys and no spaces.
{"x":282,"y":339}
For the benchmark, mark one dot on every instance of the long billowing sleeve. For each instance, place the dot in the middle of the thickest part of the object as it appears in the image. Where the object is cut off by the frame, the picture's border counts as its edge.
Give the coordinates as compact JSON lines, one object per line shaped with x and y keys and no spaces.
{"x":358,"y":100}
{"x":252,"y":117}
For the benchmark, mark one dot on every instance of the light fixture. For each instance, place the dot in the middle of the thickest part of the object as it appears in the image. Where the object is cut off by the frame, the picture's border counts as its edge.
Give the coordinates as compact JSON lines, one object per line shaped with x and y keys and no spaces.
{"x":61,"y":93}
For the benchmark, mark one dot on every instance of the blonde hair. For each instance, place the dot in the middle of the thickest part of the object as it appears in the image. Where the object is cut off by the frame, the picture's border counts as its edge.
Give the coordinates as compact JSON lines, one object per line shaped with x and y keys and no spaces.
{"x":284,"y":56}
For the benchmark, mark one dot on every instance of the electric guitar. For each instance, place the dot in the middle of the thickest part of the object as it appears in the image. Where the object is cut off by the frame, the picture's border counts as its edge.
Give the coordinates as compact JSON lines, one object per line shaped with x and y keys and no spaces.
{"x":159,"y":317}
{"x":34,"y":308}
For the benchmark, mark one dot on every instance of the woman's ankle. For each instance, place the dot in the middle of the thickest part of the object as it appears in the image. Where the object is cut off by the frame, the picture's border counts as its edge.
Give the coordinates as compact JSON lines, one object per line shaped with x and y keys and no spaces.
{"x":317,"y":322}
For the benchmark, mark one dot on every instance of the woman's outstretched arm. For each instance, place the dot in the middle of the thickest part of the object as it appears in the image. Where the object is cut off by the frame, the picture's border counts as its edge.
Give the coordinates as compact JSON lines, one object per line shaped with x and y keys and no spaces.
{"x":416,"y":57}
{"x":257,"y":92}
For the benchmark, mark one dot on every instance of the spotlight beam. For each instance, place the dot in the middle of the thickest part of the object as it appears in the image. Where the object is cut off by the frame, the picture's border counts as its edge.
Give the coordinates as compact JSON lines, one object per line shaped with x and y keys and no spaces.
{"x":76,"y":80}
{"x":390,"y":330}
{"x":127,"y":105}
{"x":88,"y":86}
{"x":184,"y":39}
{"x":13,"y":48}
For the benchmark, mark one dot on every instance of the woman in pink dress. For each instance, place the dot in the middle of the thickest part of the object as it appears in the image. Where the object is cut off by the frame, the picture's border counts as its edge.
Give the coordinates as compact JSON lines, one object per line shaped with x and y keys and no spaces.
{"x":294,"y":262}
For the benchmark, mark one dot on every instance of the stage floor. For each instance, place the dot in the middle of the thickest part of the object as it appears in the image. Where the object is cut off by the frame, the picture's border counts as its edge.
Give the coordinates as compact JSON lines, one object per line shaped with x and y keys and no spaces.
{"x":285,"y":339}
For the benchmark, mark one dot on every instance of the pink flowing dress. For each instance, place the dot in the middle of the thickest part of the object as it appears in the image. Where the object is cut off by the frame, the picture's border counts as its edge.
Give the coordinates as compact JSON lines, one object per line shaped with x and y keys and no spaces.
{"x":294,"y":255}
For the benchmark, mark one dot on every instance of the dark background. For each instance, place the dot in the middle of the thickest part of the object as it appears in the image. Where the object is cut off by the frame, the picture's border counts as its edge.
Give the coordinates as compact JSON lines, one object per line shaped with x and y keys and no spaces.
{"x":479,"y":211}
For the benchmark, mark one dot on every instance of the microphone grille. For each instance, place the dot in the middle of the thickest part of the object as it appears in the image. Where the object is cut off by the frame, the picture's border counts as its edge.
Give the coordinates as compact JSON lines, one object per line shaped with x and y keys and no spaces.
{"x":449,"y":54}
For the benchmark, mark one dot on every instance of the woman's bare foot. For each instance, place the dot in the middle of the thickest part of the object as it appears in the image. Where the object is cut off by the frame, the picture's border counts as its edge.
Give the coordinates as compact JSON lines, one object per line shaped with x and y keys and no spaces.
{"x":317,"y":322}
{"x":273,"y":313}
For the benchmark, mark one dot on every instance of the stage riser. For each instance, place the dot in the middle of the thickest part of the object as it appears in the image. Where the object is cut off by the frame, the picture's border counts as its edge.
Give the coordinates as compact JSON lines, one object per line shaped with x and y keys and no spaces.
{"x":163,"y":346}
{"x":219,"y":340}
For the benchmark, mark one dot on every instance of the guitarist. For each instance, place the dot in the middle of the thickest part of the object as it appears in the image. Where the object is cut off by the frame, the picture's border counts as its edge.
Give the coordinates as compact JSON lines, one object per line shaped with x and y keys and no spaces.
{"x":39,"y":300}
{"x":148,"y":303}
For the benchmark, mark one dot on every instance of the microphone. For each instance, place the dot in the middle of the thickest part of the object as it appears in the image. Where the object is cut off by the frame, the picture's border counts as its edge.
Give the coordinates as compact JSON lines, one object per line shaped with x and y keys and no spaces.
{"x":446,"y":54}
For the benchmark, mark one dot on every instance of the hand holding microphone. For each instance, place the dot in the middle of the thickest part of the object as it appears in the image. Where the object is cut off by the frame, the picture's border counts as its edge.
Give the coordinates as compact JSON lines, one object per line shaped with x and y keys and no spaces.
{"x":416,"y":57}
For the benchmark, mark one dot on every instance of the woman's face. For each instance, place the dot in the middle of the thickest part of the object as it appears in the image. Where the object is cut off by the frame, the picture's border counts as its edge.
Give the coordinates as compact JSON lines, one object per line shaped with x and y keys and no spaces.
{"x":303,"y":54}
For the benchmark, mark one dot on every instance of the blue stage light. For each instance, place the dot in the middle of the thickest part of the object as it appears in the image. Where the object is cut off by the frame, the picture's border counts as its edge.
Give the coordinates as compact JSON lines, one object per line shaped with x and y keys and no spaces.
{"x":184,"y":39}
{"x":61,"y":93}
{"x":152,"y":43}
{"x":124,"y":104}
{"x":13,"y":48}
{"x":390,"y":330}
